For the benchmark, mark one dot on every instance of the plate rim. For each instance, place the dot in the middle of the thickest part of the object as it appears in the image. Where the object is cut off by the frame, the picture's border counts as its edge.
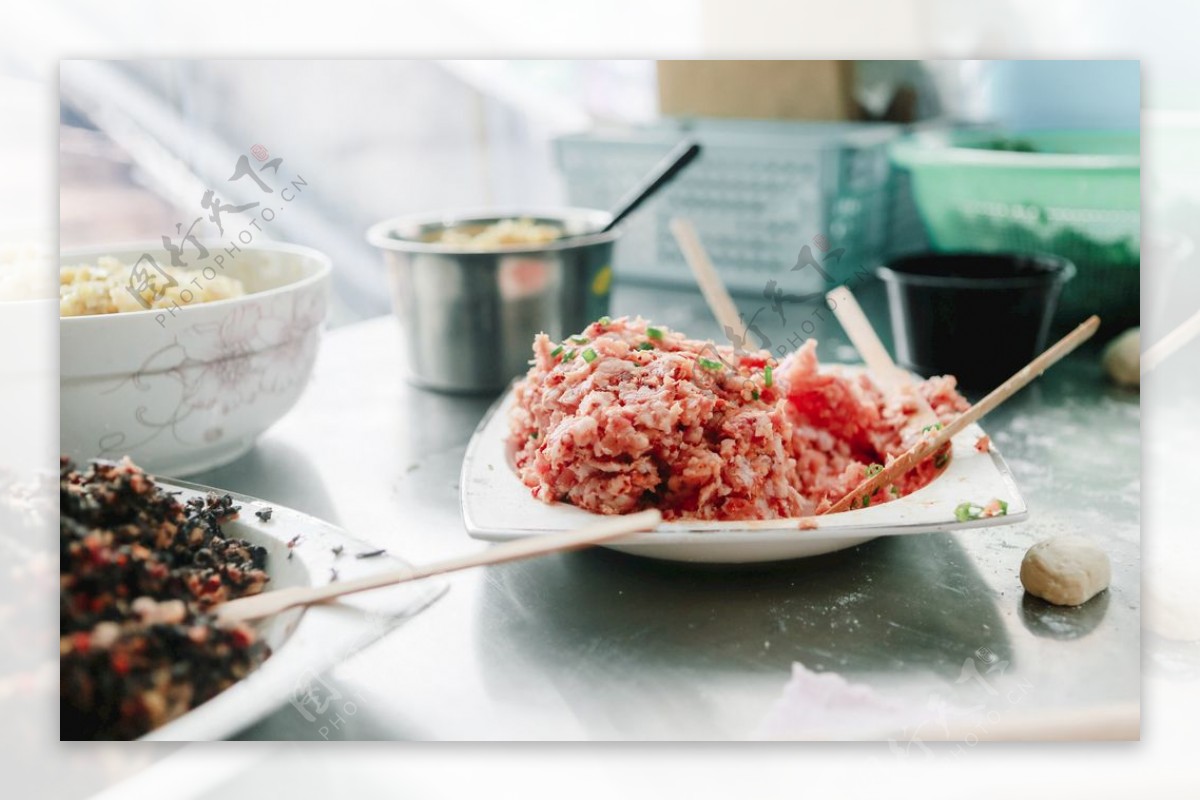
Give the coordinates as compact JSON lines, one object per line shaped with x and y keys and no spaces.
{"x":320,"y":637}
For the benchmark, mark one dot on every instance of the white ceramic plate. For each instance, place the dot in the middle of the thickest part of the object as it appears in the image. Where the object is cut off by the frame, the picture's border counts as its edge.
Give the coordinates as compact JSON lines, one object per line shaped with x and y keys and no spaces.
{"x":497,"y":506}
{"x":304,"y":643}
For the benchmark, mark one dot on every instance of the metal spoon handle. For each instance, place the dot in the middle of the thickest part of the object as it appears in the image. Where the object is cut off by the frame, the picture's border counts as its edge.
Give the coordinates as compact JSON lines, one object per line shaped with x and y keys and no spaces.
{"x":663,"y":173}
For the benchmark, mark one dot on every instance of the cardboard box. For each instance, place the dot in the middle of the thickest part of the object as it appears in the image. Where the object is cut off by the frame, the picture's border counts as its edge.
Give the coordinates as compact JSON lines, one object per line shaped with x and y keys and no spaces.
{"x":778,"y":90}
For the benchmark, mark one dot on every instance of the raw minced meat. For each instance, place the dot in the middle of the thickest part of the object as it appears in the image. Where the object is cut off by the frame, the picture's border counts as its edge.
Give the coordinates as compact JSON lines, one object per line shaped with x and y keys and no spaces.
{"x":626,"y":416}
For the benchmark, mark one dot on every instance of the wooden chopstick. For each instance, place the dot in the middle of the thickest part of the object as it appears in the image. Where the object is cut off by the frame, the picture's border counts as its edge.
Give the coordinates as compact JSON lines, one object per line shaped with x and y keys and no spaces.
{"x":253,"y":607}
{"x":1154,"y":355}
{"x":891,"y":378}
{"x":1113,"y":722}
{"x":926,"y":446}
{"x":711,"y":286}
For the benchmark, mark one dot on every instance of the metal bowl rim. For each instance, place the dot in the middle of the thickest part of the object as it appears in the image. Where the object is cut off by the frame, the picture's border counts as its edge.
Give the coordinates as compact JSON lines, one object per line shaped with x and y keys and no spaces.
{"x":381,"y":234}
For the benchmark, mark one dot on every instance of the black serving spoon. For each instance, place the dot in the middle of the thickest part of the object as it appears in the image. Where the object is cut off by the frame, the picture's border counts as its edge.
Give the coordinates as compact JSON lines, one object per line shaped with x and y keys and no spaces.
{"x":663,"y":173}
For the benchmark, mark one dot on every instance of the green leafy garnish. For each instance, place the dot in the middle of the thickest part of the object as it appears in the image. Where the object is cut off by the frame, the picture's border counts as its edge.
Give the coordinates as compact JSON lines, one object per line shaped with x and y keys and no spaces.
{"x":605,"y":320}
{"x":646,"y":346}
{"x":866,"y":501}
{"x":768,"y":378}
{"x":589,"y":355}
{"x":895,"y":491}
{"x":973,"y":511}
{"x":941,"y":460}
{"x":873,"y":469}
{"x":654,"y":333}
{"x":934,"y":427}
{"x":569,"y":355}
{"x":556,"y":351}
{"x":754,"y":394}
{"x":709,"y":364}
{"x":534,"y":435}
{"x":579,"y":339}
{"x":967,"y":511}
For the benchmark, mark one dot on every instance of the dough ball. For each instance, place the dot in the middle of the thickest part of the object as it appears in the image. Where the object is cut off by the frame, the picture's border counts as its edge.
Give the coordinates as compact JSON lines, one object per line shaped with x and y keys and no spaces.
{"x":1066,"y":571}
{"x":1123,"y":359}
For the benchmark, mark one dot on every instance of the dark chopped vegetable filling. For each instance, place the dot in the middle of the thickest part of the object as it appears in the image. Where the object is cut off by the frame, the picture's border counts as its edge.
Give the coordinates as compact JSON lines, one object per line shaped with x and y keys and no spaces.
{"x":139,"y":574}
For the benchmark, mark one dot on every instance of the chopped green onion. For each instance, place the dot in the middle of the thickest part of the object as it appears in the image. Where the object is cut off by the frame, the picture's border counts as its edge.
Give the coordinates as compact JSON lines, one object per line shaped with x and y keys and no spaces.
{"x":967,"y":511}
{"x":589,"y":355}
{"x":646,"y":346}
{"x":934,"y":427}
{"x":605,"y":320}
{"x":654,"y":333}
{"x":534,"y":435}
{"x":569,"y":355}
{"x":873,"y":469}
{"x":754,"y":394}
{"x":556,"y":351}
{"x":973,"y":511}
{"x":941,"y":460}
{"x":866,"y":501}
{"x":768,"y":379}
{"x":709,"y":364}
{"x":579,"y":339}
{"x":895,"y":491}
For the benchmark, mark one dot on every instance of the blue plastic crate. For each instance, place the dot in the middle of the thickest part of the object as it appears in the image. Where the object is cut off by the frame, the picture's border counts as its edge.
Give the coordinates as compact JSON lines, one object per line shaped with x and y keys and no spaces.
{"x":760,"y":191}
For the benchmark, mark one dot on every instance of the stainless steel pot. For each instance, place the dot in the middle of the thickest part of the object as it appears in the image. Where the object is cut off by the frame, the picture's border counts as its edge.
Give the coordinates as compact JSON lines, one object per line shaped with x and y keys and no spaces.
{"x":470,"y":316}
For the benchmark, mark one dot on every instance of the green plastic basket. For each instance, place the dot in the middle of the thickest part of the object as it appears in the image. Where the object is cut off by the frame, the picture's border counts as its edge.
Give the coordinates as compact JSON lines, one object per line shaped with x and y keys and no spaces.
{"x":1071,"y":193}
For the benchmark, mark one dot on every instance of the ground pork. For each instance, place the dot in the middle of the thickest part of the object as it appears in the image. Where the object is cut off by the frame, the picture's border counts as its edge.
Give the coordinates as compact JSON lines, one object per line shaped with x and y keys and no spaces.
{"x":627,"y":416}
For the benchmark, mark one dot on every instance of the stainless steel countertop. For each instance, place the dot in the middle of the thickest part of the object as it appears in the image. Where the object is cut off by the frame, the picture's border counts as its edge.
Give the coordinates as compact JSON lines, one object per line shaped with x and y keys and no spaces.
{"x":600,"y":645}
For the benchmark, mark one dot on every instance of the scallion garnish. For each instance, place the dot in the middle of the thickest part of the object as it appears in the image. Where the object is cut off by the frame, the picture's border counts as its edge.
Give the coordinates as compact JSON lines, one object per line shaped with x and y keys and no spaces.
{"x":579,"y":339}
{"x":941,"y":460}
{"x":934,"y":427}
{"x":605,"y":320}
{"x":866,"y":501}
{"x":569,"y":355}
{"x":556,"y":351}
{"x":754,"y":394}
{"x":768,"y":378}
{"x":709,"y":364}
{"x":967,"y":511}
{"x":589,"y":355}
{"x":646,"y":346}
{"x":654,"y":333}
{"x":873,"y":468}
{"x":973,"y":511}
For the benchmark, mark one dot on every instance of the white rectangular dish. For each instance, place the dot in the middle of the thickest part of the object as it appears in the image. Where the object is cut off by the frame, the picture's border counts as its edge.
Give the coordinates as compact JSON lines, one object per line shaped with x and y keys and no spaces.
{"x":304,"y":643}
{"x":496,"y":506}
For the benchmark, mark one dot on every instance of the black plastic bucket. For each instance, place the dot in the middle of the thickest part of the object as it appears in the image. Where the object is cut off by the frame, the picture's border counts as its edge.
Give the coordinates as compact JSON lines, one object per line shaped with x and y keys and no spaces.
{"x":977,"y":316}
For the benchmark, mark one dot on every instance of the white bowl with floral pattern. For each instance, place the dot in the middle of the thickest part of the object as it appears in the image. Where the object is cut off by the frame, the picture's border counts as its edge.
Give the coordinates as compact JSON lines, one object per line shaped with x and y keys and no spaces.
{"x":193,"y":388}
